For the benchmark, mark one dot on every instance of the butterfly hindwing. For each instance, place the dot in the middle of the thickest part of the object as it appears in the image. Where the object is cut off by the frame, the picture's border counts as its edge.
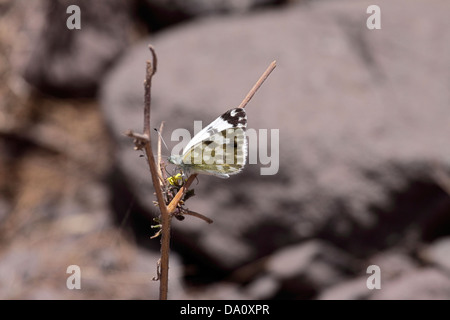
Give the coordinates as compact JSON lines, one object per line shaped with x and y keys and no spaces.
{"x":222,"y":154}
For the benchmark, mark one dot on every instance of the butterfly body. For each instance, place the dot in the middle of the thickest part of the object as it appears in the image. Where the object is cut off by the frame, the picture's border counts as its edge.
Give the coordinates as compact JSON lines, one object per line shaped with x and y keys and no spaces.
{"x":219,"y":149}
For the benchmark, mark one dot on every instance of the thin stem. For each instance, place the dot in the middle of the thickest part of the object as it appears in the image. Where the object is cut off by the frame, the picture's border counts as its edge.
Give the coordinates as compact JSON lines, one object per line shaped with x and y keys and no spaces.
{"x":159,"y":152}
{"x":173,"y":204}
{"x":151,"y":70}
{"x":165,"y":225}
{"x":165,"y":216}
{"x":258,"y":84}
{"x":147,"y":99}
{"x":198,"y":215}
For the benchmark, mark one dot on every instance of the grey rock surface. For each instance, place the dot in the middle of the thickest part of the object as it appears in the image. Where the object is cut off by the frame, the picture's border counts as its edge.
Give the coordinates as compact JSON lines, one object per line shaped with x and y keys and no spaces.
{"x":72,"y":63}
{"x":362,"y":117}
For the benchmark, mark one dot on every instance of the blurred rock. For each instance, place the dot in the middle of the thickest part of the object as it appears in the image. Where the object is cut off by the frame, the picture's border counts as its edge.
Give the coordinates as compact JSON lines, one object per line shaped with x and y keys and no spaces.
{"x":438,"y":253}
{"x":392,"y":266}
{"x":355,"y":289}
{"x":71,"y":63}
{"x":17,"y":269}
{"x":5,"y":208}
{"x":196,"y":7}
{"x":162,"y":13}
{"x":263,"y":288}
{"x":426,"y":284}
{"x":307,"y":268}
{"x":356,"y":141}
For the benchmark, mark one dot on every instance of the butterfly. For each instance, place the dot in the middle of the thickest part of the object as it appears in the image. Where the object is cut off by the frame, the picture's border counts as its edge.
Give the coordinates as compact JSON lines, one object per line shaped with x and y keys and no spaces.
{"x":219,"y":149}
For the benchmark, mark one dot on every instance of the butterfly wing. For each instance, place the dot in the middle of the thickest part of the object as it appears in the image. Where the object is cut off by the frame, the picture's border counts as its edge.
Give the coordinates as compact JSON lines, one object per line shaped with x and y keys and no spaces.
{"x":219,"y":149}
{"x":234,"y":118}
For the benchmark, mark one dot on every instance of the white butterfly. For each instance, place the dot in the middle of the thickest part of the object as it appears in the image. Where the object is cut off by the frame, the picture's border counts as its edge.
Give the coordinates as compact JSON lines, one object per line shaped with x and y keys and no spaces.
{"x":219,"y":149}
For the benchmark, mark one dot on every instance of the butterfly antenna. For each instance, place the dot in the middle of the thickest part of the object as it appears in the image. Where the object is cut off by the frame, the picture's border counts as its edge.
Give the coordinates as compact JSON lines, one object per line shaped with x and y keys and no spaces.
{"x":160,"y":136}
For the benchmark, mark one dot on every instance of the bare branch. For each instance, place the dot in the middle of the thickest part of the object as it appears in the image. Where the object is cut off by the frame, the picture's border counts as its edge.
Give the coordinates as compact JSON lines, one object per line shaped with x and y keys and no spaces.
{"x":161,"y":127}
{"x":198,"y":215}
{"x":258,"y":84}
{"x":165,"y":216}
{"x":173,"y":204}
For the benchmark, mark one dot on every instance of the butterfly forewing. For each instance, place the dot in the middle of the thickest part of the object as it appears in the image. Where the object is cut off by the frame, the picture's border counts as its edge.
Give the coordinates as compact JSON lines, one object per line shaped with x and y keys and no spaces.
{"x":219,"y":149}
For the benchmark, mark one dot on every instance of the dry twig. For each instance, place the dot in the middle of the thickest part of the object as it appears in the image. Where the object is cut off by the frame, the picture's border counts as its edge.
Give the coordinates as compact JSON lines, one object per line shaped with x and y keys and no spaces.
{"x":170,"y":206}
